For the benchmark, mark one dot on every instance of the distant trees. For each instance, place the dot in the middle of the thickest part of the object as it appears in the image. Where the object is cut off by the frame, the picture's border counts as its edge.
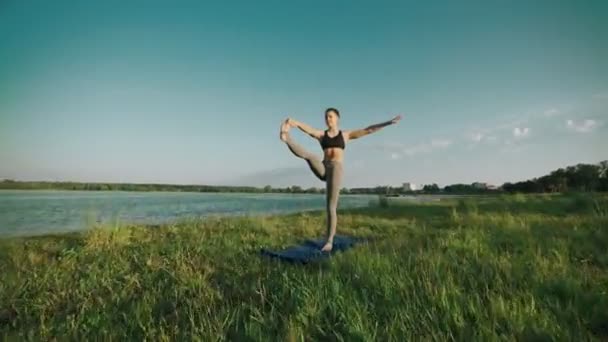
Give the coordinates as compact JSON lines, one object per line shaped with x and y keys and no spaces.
{"x":431,"y":188}
{"x":580,"y":177}
{"x":313,"y":190}
{"x":378,"y":190}
{"x":466,"y":189}
{"x":295,"y":189}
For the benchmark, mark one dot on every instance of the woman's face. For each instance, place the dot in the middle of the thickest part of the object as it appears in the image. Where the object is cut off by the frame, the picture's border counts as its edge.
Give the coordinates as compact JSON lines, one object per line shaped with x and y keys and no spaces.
{"x":331,"y":119}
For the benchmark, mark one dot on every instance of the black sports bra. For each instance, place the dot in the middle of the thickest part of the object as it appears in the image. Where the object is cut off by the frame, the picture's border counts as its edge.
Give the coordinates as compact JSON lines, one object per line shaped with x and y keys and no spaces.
{"x":337,"y":141}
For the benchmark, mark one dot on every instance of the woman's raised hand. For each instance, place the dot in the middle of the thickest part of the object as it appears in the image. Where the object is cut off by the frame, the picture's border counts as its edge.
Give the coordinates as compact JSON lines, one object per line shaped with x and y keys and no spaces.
{"x":396,"y":119}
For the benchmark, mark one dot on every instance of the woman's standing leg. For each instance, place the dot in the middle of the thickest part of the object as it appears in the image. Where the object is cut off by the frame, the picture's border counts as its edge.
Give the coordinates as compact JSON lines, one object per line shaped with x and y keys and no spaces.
{"x":334,"y":172}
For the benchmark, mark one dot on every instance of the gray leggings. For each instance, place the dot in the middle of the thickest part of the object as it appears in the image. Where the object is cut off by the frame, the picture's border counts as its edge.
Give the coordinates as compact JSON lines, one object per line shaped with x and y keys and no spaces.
{"x":328,"y":171}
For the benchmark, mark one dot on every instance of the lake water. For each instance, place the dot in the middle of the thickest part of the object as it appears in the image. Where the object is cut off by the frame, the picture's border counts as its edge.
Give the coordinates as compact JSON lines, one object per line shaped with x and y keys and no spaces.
{"x":33,"y":212}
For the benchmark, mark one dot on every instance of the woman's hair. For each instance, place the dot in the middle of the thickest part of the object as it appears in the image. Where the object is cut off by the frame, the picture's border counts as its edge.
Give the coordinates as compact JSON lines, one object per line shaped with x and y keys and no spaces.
{"x":330,"y":109}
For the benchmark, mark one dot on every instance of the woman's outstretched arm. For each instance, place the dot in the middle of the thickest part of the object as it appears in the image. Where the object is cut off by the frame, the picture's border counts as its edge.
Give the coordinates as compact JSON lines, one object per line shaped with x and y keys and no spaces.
{"x":313,"y":132}
{"x":371,"y":129}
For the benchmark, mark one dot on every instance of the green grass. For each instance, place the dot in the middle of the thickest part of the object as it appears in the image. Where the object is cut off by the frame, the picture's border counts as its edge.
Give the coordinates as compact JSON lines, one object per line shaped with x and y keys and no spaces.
{"x":503,"y":268}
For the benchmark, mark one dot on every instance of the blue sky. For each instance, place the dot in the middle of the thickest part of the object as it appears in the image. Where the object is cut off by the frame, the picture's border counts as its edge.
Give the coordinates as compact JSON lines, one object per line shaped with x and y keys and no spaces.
{"x":193,"y":92}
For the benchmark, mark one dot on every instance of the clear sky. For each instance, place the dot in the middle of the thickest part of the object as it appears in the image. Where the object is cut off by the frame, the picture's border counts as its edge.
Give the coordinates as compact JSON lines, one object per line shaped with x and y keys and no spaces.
{"x":193,"y":92}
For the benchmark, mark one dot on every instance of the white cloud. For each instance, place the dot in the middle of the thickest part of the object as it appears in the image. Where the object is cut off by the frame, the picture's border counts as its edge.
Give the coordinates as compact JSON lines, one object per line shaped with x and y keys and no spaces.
{"x":521,"y":132}
{"x":511,"y":124}
{"x":476,"y":137}
{"x":551,"y":112}
{"x":398,"y":150}
{"x":416,"y":149}
{"x":518,"y":127}
{"x":479,"y":137}
{"x":488,"y":134}
{"x":441,"y":143}
{"x":584,"y":126}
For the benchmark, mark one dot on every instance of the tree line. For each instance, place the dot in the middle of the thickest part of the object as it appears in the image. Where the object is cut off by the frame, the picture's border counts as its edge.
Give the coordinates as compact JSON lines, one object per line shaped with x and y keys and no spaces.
{"x":80,"y":186}
{"x":580,"y":177}
{"x":575,"y":178}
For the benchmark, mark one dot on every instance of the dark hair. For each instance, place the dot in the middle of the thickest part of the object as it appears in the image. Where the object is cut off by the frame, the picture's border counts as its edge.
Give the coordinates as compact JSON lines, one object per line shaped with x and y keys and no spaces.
{"x":330,"y":109}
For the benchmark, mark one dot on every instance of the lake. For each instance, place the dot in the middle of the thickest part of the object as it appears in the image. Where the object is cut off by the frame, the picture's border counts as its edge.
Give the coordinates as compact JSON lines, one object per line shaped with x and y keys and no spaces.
{"x":35,"y":212}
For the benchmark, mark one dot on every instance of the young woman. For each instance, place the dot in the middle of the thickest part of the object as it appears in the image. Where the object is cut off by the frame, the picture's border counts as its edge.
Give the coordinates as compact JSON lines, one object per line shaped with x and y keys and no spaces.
{"x":333,"y":142}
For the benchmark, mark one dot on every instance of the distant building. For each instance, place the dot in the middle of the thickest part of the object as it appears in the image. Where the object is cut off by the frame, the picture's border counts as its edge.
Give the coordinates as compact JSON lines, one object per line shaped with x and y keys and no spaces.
{"x":409,"y":187}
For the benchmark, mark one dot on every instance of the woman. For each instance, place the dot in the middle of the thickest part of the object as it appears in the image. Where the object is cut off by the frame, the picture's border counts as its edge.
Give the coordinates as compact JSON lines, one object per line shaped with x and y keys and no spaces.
{"x":333,"y":141}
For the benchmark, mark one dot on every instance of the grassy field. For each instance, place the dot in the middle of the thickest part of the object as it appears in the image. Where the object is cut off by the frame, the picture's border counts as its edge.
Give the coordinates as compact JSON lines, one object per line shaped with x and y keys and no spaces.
{"x":511,"y":267}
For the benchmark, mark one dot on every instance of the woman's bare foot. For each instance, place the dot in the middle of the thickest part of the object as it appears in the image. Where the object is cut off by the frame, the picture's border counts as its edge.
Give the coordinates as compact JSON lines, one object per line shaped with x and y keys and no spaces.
{"x":328,"y":247}
{"x":285,"y":126}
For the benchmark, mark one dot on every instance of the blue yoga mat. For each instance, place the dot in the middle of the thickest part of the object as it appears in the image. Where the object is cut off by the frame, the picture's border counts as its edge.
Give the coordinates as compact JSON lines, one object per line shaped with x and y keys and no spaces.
{"x":310,"y":250}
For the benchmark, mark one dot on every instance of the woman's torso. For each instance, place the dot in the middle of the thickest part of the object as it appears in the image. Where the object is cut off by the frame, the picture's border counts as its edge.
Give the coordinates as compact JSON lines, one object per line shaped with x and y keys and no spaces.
{"x":333,"y":146}
{"x":333,"y":154}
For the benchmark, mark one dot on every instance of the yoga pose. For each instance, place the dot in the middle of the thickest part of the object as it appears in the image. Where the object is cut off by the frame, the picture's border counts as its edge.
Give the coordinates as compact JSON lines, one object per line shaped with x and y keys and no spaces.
{"x":333,"y":141}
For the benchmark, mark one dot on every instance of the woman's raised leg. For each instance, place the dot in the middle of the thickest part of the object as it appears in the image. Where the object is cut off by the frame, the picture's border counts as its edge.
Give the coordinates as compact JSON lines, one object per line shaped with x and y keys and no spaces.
{"x":313,"y":161}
